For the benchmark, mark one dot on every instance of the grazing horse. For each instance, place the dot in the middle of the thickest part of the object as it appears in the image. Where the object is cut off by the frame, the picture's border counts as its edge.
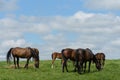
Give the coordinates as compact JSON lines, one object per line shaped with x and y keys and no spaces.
{"x":100,"y":59}
{"x":54,"y":56}
{"x":24,"y":53}
{"x":84,"y":56}
{"x":79,"y":60}
{"x":67,"y":53}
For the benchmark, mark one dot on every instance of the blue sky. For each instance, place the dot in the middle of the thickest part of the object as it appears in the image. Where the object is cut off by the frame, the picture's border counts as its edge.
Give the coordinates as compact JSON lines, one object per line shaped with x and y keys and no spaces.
{"x":51,"y":25}
{"x":56,"y":7}
{"x":46,"y":7}
{"x":49,"y":7}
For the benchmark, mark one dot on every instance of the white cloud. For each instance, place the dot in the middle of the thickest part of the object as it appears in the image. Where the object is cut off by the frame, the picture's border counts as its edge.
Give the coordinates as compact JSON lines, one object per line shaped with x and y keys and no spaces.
{"x":103,"y":4}
{"x":8,"y":5}
{"x":8,"y":22}
{"x":13,"y":43}
{"x":7,"y":44}
{"x":116,"y":42}
{"x":40,"y":28}
{"x":100,"y":32}
{"x":82,"y":16}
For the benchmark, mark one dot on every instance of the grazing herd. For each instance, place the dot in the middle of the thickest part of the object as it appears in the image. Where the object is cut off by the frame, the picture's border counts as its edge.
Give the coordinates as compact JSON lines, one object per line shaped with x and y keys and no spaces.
{"x":79,"y":56}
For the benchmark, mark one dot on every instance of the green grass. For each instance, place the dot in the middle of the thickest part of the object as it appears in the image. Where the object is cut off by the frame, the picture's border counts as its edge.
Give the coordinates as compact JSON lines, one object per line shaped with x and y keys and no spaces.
{"x":111,"y":71}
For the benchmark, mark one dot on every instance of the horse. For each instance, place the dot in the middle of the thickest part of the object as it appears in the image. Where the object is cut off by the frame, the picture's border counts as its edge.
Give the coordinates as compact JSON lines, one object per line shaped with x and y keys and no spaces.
{"x":84,"y":56}
{"x":101,"y":60}
{"x":67,"y":53}
{"x":27,"y":53}
{"x":79,"y":60}
{"x":54,"y":56}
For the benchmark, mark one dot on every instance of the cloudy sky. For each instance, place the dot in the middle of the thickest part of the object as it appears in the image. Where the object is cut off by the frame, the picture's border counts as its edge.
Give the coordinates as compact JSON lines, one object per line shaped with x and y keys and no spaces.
{"x":51,"y":25}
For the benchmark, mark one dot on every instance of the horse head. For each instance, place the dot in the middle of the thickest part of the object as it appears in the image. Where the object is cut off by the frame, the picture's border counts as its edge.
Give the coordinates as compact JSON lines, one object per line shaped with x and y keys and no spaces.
{"x":35,"y":55}
{"x":97,"y":63}
{"x":98,"y":66}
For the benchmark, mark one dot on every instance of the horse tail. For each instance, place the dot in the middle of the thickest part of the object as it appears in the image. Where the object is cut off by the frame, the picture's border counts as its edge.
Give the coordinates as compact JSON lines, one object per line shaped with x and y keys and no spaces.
{"x":63,"y":56}
{"x":9,"y":55}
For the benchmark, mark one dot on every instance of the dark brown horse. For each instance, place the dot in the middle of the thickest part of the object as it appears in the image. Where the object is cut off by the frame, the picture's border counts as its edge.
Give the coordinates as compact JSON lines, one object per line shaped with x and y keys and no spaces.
{"x":84,"y":56}
{"x":79,"y":59}
{"x":24,"y":53}
{"x":100,"y":59}
{"x":54,"y":56}
{"x":67,"y":53}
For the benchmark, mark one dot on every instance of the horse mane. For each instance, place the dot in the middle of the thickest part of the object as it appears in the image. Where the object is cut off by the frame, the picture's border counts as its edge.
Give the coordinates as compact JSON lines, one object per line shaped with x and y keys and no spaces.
{"x":33,"y":52}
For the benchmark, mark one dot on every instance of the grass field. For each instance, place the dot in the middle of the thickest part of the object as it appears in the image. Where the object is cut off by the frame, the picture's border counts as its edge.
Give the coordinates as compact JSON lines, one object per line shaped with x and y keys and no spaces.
{"x":111,"y":71}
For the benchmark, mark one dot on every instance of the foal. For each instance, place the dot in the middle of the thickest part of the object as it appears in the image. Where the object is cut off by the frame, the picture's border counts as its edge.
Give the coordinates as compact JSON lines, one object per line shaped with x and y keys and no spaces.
{"x":54,"y":56}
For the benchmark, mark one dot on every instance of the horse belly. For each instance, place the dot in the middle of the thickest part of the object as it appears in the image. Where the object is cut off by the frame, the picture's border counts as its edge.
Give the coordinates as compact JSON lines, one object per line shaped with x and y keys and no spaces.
{"x":22,"y":55}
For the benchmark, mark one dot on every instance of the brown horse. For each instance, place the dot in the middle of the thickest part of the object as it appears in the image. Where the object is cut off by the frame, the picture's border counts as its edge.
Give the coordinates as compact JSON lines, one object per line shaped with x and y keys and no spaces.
{"x":79,"y":59}
{"x":100,"y":59}
{"x":54,"y":56}
{"x":82,"y":57}
{"x":67,"y":53}
{"x":24,"y":53}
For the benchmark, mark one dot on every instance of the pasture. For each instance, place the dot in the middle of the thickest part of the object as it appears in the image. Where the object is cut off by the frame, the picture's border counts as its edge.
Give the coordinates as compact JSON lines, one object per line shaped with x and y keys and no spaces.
{"x":111,"y":71}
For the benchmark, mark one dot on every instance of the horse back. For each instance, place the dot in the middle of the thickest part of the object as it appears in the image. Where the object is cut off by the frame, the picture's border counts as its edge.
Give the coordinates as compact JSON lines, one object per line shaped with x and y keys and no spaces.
{"x":56,"y":55}
{"x":89,"y":54}
{"x":80,"y":54}
{"x":100,"y":56}
{"x":68,"y":53}
{"x":21,"y":52}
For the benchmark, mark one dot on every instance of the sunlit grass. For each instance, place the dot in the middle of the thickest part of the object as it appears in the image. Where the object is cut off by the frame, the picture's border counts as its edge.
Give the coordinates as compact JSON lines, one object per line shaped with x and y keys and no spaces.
{"x":111,"y":71}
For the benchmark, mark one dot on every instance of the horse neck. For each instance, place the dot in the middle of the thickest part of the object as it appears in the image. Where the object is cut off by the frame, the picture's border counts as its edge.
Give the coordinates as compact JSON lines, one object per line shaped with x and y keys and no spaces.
{"x":32,"y":52}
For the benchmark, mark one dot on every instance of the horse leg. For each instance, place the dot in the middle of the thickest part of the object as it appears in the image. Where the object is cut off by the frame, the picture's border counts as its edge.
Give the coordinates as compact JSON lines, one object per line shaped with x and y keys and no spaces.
{"x":103,"y":62}
{"x":14,"y":62}
{"x":80,"y":67}
{"x":66,"y":66}
{"x":75,"y":66}
{"x":85,"y":66}
{"x":89,"y":66}
{"x":53,"y":63}
{"x":18,"y":62}
{"x":63,"y":65}
{"x":26,"y":65}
